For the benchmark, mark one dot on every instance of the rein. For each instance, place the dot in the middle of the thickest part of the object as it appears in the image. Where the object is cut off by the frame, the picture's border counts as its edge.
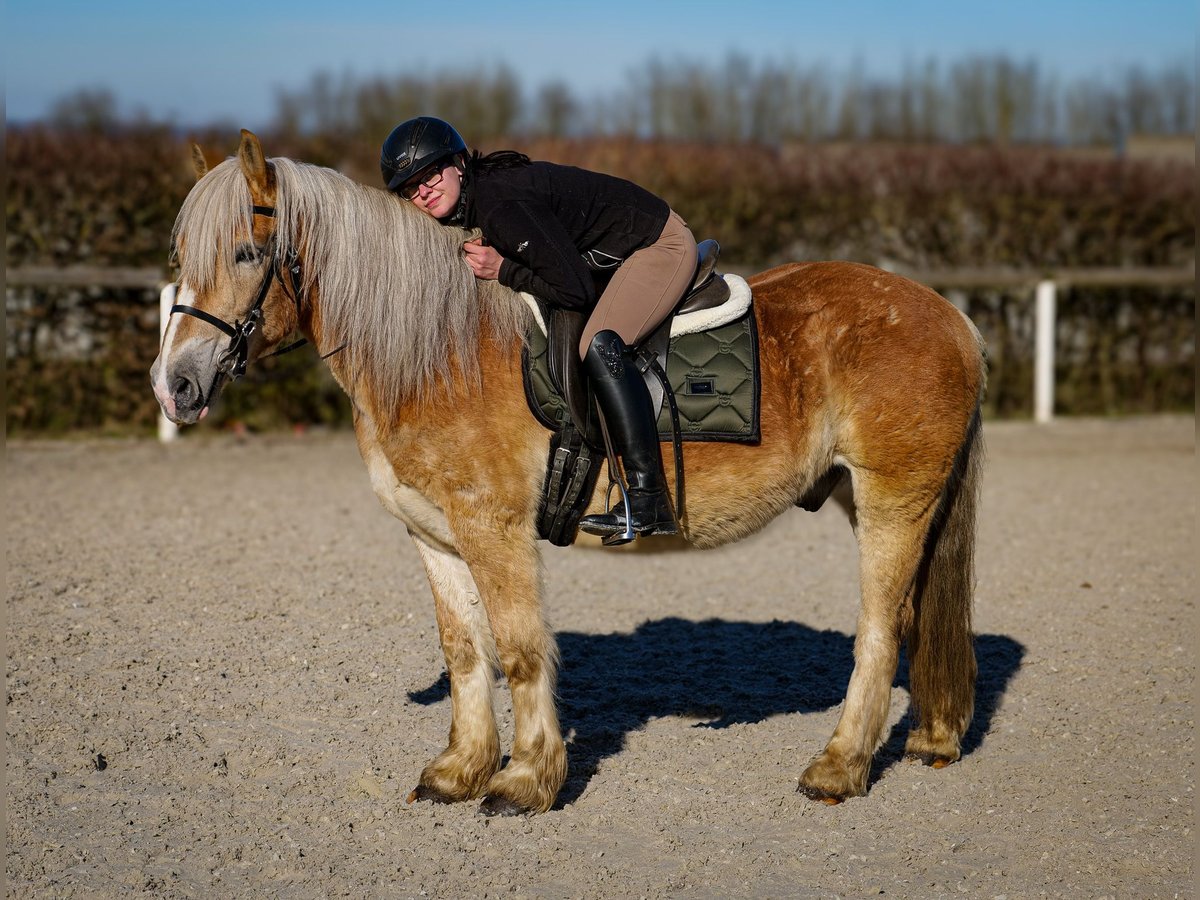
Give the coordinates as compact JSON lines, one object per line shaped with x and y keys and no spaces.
{"x":232,"y":362}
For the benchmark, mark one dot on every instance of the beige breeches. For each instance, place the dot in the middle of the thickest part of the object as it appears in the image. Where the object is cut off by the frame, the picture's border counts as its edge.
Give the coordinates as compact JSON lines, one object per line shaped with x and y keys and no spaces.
{"x":647,"y":286}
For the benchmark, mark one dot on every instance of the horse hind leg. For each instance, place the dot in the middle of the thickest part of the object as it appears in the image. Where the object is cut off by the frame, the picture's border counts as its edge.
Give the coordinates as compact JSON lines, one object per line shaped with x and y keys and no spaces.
{"x":463,"y":769}
{"x":891,"y":528}
{"x":941,"y":652}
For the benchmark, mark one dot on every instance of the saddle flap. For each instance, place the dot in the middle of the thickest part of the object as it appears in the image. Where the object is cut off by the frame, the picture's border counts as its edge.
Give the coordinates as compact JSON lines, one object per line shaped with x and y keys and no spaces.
{"x":564,"y":331}
{"x":563,"y":334}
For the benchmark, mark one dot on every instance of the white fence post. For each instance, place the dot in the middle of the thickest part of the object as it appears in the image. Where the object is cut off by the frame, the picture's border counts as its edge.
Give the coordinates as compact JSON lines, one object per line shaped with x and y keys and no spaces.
{"x":1043,"y":363}
{"x":167,"y":430}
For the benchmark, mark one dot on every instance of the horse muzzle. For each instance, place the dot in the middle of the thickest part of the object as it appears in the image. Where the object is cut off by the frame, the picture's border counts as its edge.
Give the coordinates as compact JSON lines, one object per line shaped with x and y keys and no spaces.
{"x":185,"y":389}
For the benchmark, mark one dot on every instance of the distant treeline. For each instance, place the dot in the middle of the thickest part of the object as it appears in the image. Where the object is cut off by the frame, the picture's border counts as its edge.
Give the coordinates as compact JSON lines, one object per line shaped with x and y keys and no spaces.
{"x":83,"y":197}
{"x":992,"y":99}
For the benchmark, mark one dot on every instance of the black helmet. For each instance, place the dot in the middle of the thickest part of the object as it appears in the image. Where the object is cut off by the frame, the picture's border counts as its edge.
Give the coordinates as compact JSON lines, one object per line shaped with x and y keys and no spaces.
{"x":415,"y":145}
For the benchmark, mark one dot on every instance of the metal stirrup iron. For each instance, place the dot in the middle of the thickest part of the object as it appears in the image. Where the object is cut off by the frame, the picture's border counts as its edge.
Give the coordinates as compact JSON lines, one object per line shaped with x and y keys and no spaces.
{"x":616,"y":479}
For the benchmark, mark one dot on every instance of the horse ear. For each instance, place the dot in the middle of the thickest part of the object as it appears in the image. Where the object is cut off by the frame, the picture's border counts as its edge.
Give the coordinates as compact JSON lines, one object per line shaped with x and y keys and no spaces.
{"x":198,"y":162}
{"x":254,"y":165}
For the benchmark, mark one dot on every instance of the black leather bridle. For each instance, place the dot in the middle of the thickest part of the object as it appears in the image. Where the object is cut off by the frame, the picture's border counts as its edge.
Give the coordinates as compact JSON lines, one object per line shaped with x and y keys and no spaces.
{"x":232,"y":361}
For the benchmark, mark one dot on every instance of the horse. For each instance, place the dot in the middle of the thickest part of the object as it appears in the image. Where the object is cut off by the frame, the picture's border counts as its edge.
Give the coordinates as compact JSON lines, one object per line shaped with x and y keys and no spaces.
{"x":868,"y":381}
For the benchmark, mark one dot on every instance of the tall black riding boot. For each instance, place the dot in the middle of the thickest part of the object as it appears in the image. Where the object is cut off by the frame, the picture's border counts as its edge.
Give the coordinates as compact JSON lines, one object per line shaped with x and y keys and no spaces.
{"x":625,"y":402}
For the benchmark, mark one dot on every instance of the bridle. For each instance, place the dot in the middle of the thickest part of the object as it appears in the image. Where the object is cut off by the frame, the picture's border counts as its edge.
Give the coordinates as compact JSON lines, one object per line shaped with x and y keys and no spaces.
{"x":233,"y":359}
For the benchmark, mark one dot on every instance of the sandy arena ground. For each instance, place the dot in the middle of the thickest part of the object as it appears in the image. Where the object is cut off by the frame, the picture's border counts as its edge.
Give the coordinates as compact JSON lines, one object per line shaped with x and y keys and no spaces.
{"x":224,"y":679}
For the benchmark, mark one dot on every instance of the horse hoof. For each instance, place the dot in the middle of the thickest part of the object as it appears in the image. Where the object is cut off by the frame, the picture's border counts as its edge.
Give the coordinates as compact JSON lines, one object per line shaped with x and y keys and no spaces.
{"x":813,"y":793}
{"x":433,"y":795}
{"x":494,"y":805}
{"x":933,"y":760}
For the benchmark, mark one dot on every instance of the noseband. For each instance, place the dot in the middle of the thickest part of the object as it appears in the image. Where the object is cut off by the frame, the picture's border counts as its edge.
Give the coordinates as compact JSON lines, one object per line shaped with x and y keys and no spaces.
{"x":232,"y":361}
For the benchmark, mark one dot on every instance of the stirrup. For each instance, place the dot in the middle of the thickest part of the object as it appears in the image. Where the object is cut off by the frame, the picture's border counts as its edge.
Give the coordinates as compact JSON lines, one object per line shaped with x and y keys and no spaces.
{"x":647,"y":514}
{"x":619,"y":524}
{"x":616,"y":539}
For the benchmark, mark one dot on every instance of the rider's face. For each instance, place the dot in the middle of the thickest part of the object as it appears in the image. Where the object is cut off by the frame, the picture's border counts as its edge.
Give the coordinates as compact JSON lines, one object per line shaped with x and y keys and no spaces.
{"x":440,"y":200}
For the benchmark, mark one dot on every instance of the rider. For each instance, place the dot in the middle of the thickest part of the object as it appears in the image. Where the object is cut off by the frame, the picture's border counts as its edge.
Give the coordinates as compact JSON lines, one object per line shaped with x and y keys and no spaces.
{"x":546,"y":228}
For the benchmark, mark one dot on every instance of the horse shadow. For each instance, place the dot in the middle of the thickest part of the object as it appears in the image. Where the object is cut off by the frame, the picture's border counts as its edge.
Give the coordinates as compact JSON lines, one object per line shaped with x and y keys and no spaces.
{"x":722,"y":673}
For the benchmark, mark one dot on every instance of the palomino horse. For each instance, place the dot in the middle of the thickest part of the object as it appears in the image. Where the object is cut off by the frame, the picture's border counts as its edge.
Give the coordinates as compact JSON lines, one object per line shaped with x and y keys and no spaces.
{"x":865,"y":376}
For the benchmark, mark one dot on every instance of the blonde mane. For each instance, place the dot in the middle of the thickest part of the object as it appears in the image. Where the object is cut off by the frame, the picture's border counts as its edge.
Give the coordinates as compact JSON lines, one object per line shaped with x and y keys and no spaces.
{"x":392,"y":284}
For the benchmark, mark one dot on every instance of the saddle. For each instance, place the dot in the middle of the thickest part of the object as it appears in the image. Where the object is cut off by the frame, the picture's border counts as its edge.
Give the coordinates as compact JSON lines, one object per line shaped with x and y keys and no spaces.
{"x":710,"y":313}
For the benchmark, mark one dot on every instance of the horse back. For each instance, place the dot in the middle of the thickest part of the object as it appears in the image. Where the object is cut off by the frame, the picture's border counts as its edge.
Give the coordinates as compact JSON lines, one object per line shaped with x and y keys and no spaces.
{"x":884,"y":362}
{"x":847,"y":321}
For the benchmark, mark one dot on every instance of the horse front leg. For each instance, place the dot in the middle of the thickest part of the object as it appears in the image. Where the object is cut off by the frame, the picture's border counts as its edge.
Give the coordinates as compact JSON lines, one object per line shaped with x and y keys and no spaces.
{"x":463,"y":769}
{"x":890,"y":552}
{"x":506,"y":566}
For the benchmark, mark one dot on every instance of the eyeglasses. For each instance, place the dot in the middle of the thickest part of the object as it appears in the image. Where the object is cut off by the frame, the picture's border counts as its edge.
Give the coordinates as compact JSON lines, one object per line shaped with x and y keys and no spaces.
{"x":432,"y":177}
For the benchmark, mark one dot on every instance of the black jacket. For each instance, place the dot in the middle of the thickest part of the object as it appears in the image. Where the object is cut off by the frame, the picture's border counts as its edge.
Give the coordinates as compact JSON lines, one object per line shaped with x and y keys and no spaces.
{"x":556,"y":225}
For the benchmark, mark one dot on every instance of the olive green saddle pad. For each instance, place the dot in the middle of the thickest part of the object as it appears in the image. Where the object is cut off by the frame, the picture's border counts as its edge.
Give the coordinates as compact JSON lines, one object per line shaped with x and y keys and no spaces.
{"x":714,"y":375}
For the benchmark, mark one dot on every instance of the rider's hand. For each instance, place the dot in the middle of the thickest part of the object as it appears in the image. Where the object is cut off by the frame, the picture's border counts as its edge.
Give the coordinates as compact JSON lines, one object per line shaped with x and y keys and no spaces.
{"x":484,"y":261}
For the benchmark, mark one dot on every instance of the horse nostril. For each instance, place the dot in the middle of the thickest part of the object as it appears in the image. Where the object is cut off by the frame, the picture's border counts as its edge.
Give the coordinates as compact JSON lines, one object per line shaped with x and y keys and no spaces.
{"x":186,"y":393}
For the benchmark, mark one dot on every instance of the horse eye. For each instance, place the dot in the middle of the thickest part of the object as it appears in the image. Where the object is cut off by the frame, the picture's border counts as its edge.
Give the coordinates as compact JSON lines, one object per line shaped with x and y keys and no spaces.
{"x":246,"y":253}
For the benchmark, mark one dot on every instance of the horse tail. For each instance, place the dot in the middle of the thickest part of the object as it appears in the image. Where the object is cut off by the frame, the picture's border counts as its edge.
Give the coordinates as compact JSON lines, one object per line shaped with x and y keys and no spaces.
{"x":941,"y":652}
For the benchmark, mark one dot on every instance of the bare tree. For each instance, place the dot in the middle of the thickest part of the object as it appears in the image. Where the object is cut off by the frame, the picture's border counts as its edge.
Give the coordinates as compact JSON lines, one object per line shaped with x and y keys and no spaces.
{"x":992,"y":99}
{"x":555,"y":110}
{"x":87,"y":109}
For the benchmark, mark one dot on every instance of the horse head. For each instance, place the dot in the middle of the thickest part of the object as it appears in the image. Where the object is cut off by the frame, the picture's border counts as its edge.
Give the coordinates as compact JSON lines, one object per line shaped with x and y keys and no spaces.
{"x":235,"y":301}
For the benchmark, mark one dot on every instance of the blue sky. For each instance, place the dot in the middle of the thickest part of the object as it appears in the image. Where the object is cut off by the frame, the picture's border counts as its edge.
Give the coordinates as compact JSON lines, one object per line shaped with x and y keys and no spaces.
{"x":224,"y":60}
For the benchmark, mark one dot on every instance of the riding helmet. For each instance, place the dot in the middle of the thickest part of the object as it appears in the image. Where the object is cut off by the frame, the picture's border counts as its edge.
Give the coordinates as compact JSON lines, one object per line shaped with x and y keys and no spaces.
{"x":415,"y":145}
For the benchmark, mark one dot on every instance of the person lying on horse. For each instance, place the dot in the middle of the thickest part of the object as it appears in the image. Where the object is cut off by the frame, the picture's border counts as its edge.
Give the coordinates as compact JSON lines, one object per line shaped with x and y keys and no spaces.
{"x":546,"y":229}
